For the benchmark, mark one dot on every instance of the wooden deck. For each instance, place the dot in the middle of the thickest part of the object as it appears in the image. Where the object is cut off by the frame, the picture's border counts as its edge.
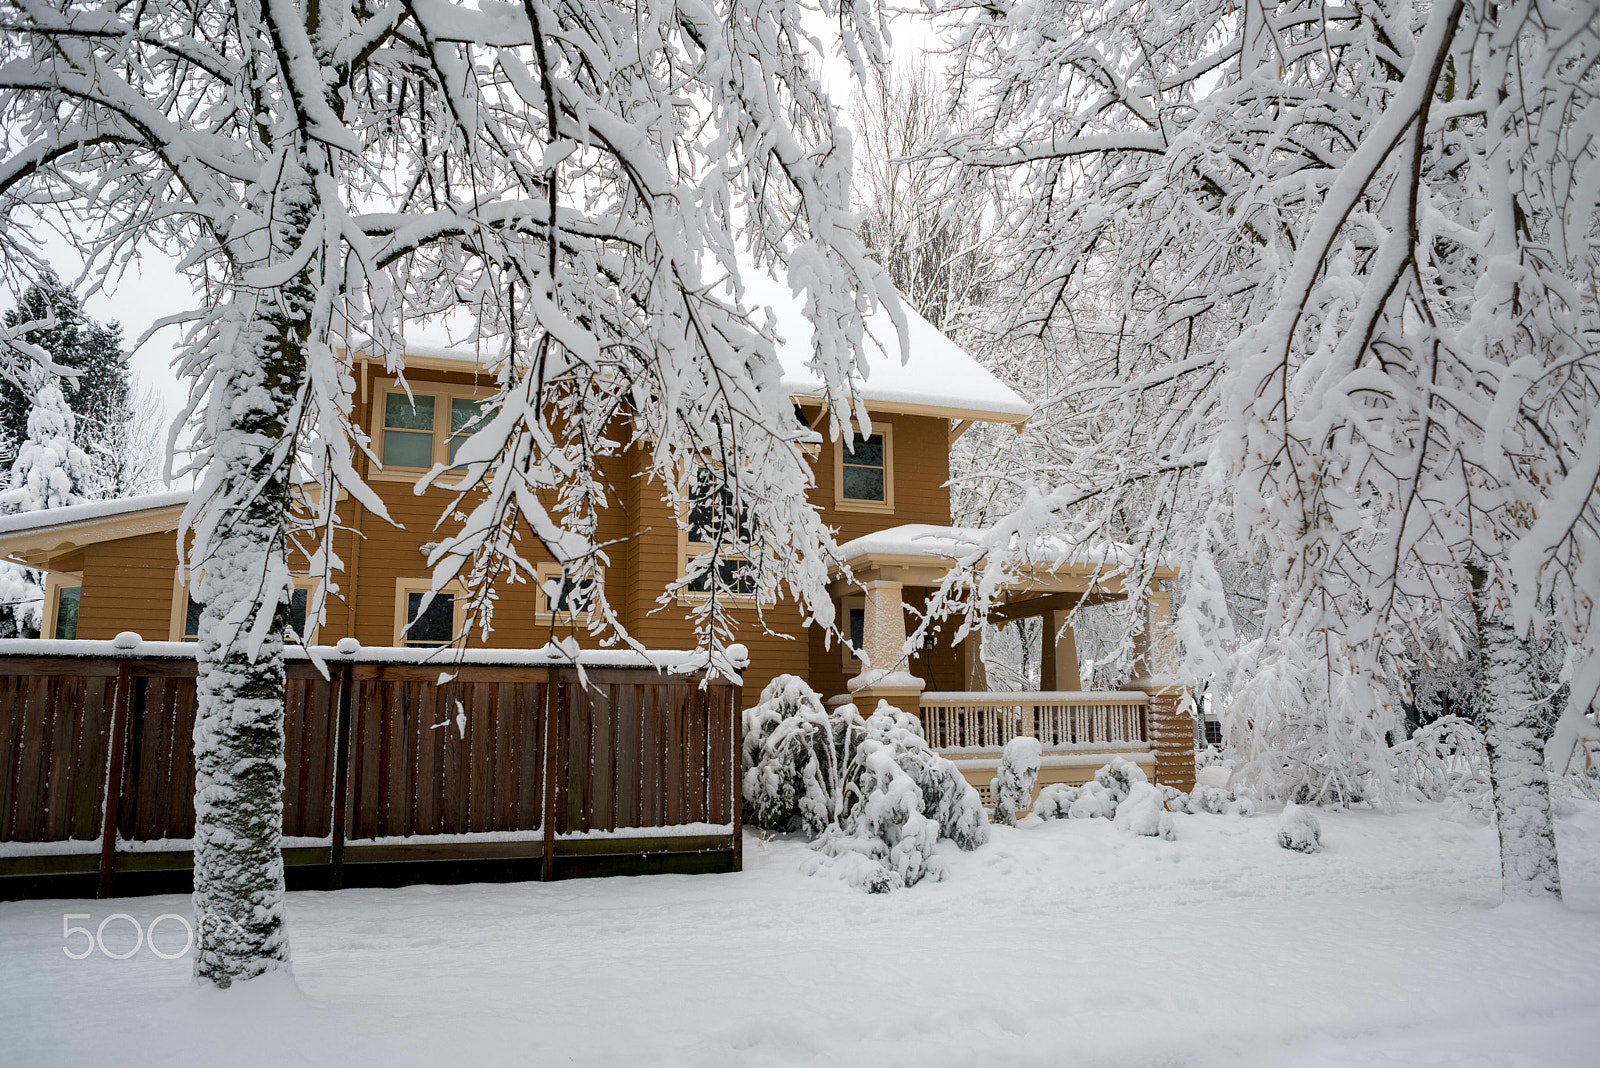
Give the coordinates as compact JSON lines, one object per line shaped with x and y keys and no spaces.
{"x":504,"y":771}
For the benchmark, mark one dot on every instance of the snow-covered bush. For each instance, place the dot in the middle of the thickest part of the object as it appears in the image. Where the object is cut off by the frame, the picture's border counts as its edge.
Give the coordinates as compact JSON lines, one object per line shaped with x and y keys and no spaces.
{"x":1173,"y":799}
{"x":1012,"y":786}
{"x":870,"y":792}
{"x":1144,"y":812}
{"x":1299,"y":830}
{"x":1118,"y":778}
{"x":1220,"y":802}
{"x":1305,"y":726}
{"x":1055,"y":801}
{"x":793,"y":758}
{"x":1120,"y":792}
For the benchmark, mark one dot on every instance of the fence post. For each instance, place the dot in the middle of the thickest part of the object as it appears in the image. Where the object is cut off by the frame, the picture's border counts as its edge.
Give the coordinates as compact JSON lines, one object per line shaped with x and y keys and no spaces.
{"x":111,"y":810}
{"x":547,"y":869}
{"x":341,"y":774}
{"x":736,"y":769}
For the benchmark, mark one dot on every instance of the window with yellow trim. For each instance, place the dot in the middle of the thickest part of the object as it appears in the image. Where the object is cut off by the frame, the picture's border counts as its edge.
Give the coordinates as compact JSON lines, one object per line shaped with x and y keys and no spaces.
{"x":424,"y":428}
{"x":186,"y":627}
{"x":62,"y":595}
{"x":864,"y":471}
{"x":421,"y":623}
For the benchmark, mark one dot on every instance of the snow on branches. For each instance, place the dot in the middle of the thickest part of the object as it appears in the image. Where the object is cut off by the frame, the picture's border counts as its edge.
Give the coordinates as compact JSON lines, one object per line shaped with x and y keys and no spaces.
{"x":1325,"y":279}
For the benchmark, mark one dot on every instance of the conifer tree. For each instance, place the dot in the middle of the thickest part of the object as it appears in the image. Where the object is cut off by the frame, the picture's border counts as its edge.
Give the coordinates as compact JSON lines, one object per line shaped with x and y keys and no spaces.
{"x":98,"y":394}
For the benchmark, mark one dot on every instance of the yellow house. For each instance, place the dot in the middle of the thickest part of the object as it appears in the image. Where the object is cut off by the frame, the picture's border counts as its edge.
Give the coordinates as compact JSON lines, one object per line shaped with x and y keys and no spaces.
{"x":113,"y":566}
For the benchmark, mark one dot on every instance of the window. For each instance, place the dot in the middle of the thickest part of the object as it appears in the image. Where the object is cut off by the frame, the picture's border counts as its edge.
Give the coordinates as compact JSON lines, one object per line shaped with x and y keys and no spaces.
{"x":1213,"y":732}
{"x":407,"y":431}
{"x":864,"y":473}
{"x":708,"y":516}
{"x":62,"y":594}
{"x":440,"y":624}
{"x":858,"y":632}
{"x":191,"y":618}
{"x":421,"y":429}
{"x":186,"y":627}
{"x":568,"y":603}
{"x":431,"y":625}
{"x":466,"y":419}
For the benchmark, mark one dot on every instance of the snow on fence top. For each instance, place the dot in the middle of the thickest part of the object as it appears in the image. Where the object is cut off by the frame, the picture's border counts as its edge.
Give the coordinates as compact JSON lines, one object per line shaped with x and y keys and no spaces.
{"x":549,"y":656}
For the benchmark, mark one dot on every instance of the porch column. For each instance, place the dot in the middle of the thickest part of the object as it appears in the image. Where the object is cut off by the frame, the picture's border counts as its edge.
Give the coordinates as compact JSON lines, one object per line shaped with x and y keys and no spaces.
{"x":885,"y":673}
{"x":1058,"y":660}
{"x":1153,"y":646}
{"x":975,"y":674}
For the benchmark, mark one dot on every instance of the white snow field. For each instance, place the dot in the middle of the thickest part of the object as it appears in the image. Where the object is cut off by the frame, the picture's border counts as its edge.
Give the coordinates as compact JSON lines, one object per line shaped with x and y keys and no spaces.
{"x":1066,"y":943}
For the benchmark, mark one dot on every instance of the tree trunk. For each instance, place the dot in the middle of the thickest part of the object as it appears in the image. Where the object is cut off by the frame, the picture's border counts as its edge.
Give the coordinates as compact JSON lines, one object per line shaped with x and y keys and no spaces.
{"x":1510,"y":714}
{"x":238,"y":733}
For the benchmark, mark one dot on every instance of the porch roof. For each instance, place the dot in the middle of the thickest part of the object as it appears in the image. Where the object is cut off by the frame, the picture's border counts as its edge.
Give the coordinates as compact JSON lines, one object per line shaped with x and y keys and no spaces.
{"x":35,"y":537}
{"x":918,"y":554}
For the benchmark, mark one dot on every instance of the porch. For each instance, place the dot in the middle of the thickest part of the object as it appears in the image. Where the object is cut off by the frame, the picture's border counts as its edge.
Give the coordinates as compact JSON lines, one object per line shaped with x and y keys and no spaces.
{"x":1146,"y":721}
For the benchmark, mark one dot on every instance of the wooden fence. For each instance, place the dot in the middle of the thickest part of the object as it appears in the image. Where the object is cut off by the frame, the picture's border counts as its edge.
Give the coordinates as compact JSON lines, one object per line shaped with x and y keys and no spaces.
{"x":505,"y":770}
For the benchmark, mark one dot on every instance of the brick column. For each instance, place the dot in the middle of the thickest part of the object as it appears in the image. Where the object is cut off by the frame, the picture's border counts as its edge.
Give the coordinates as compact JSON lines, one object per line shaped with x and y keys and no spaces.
{"x":1171,"y":731}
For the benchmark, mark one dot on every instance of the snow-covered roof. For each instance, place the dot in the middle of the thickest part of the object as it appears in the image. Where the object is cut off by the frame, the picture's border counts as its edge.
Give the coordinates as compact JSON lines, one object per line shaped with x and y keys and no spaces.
{"x":938,"y":373}
{"x":92,"y":511}
{"x":939,"y":377}
{"x":954,"y":543}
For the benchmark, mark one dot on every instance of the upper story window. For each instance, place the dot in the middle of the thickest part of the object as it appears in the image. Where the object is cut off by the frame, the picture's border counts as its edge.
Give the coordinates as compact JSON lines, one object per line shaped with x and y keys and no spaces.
{"x":864,"y":472}
{"x":422,"y":429}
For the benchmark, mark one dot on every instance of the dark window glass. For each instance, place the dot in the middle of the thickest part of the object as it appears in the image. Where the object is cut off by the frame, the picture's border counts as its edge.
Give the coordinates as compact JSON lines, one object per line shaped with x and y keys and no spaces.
{"x":67,"y":598}
{"x":864,"y":471}
{"x":1213,"y":732}
{"x":736,"y":577}
{"x":191,"y":620}
{"x":568,"y":600}
{"x":436,"y":625}
{"x":297,"y":611}
{"x":858,"y":630}
{"x":710,"y":501}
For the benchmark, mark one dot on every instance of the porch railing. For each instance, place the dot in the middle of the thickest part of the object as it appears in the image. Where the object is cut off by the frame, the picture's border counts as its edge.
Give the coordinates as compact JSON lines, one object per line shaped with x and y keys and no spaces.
{"x":1061,"y":720}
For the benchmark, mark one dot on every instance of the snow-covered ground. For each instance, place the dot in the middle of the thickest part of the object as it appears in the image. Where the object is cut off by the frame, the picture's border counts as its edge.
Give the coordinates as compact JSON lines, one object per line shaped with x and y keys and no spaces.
{"x":1058,"y":944}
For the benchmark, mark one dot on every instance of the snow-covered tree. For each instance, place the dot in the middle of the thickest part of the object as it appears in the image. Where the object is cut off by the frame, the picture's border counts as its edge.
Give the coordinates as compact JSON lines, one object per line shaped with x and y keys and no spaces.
{"x":578,"y":183}
{"x":931,"y":237}
{"x":1347,"y":256}
{"x":50,"y":471}
{"x":98,"y":390}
